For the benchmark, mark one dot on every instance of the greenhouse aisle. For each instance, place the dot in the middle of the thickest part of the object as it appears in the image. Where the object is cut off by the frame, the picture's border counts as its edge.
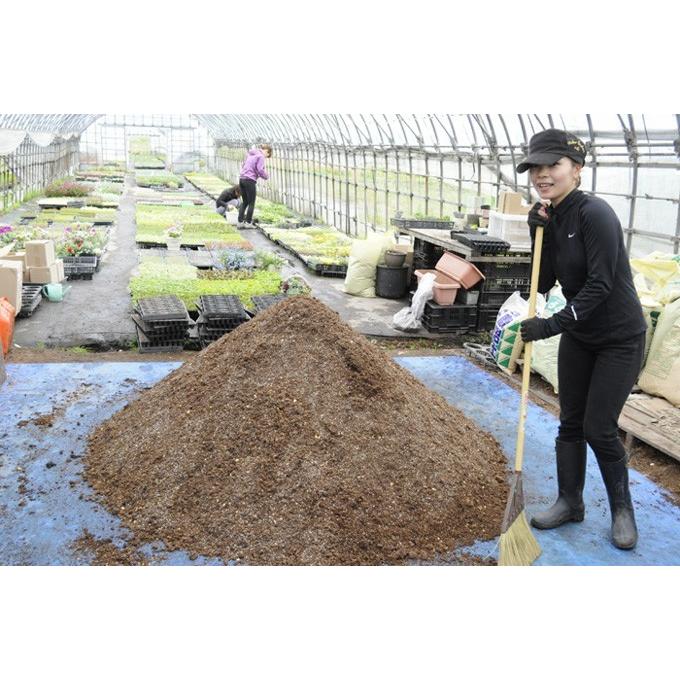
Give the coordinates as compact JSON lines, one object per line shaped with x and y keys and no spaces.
{"x":370,"y":316}
{"x":95,"y":312}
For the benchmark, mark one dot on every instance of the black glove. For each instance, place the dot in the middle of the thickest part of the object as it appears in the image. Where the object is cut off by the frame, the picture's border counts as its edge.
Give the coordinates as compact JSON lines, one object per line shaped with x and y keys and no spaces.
{"x":538,"y":329}
{"x":539,"y":216}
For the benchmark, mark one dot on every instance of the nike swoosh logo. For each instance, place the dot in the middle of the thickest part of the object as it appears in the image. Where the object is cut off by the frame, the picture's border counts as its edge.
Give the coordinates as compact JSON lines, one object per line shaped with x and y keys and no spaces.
{"x":571,"y":235}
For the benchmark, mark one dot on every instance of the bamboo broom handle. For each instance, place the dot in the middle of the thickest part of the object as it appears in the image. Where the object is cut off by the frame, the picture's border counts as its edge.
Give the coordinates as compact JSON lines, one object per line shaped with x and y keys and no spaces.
{"x":526,"y":369}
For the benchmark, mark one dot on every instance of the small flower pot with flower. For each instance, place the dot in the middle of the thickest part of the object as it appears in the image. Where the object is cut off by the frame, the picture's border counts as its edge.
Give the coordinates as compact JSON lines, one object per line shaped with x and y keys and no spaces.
{"x":173,"y":237}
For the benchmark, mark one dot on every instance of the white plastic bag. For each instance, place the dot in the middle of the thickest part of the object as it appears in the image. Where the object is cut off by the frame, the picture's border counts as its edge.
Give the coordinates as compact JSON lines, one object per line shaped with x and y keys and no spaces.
{"x":408,"y":318}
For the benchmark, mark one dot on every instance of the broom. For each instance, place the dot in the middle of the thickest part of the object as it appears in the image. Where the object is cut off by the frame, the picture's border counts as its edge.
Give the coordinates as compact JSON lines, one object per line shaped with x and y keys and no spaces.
{"x":518,"y":547}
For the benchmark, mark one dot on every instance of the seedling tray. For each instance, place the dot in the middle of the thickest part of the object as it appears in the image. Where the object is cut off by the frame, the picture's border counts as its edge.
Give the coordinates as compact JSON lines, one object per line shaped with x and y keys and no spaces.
{"x":30,"y":299}
{"x":147,"y":345}
{"x":155,"y":332}
{"x":216,"y":307}
{"x":167,"y":308}
{"x":339,"y":270}
{"x":220,"y":325}
{"x":481,"y":244}
{"x":262,"y":302}
{"x":406,"y":223}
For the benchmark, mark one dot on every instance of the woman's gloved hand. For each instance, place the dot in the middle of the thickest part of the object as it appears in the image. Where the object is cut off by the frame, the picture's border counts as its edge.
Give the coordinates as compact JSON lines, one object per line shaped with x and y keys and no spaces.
{"x":537,"y":328}
{"x":538,"y":217}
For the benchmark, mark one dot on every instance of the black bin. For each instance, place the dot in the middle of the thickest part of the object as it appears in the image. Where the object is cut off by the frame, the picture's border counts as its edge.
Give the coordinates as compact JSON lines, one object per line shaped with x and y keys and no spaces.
{"x":391,"y":282}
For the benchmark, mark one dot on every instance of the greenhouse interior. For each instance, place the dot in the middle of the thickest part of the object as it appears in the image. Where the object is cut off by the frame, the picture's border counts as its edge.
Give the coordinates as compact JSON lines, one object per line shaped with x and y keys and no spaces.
{"x":340,"y":339}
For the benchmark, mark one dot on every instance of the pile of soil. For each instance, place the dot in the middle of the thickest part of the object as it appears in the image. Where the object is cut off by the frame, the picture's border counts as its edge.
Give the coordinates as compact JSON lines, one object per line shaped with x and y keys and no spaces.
{"x":103,"y":552}
{"x":293,"y":440}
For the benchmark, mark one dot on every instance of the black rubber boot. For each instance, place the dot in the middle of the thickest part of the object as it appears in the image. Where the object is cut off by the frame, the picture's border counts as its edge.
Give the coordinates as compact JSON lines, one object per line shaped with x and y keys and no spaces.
{"x":615,"y":476}
{"x":571,"y":477}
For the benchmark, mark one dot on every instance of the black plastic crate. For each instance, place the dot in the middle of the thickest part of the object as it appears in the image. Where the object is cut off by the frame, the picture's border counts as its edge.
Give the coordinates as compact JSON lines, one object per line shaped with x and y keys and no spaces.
{"x":507,"y":267}
{"x":496,"y":298}
{"x":262,"y":302}
{"x":80,"y":262}
{"x":446,"y":318}
{"x":518,"y":283}
{"x":486,"y":317}
{"x":80,"y":267}
{"x":30,"y":299}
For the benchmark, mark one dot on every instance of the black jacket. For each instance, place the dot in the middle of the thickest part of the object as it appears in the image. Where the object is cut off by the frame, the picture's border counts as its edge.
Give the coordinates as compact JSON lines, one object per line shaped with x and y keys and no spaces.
{"x":229,"y":194}
{"x":583,"y":249}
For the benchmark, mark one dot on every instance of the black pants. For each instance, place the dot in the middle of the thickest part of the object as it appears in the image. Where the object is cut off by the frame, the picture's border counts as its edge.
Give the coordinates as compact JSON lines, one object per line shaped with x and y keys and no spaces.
{"x":594,"y":383}
{"x":248,"y":195}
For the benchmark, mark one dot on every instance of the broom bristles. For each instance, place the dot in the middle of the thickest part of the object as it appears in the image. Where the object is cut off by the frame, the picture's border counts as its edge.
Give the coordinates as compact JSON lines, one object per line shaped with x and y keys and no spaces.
{"x":518,"y":547}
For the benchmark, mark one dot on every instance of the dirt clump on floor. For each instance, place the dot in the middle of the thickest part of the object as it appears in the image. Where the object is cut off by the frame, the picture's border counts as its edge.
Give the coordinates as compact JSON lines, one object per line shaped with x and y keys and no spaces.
{"x":293,"y":440}
{"x":106,"y":554}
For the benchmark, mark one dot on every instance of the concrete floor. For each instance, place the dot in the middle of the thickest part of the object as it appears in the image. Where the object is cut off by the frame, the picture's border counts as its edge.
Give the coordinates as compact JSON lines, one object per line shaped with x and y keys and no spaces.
{"x":97,"y":312}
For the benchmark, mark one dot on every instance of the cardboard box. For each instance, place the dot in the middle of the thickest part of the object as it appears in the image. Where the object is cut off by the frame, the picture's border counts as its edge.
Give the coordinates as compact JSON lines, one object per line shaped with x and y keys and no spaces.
{"x":19,"y":256}
{"x":510,"y":203}
{"x":11,"y":280}
{"x":40,"y":254}
{"x":44,"y":274}
{"x":60,"y":271}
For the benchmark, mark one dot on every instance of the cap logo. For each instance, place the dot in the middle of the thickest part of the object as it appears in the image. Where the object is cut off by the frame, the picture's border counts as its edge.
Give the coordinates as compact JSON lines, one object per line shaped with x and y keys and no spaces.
{"x":578,"y":145}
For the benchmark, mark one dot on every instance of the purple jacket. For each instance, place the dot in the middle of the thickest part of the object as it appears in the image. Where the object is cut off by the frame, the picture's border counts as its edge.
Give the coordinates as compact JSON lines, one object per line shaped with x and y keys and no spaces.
{"x":253,"y":166}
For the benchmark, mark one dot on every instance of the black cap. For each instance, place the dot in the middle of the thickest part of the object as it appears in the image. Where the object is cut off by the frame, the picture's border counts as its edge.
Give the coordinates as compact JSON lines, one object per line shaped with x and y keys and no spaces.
{"x":548,"y":146}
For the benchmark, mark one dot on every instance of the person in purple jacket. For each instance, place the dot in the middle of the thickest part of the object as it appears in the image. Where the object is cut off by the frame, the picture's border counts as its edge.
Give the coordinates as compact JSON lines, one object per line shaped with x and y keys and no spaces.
{"x":252,"y":169}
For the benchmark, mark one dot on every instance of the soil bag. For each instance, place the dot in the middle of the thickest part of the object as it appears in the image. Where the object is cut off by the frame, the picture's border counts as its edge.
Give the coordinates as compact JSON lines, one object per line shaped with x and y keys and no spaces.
{"x":661,"y":374}
{"x":363,"y":262}
{"x":544,"y":355}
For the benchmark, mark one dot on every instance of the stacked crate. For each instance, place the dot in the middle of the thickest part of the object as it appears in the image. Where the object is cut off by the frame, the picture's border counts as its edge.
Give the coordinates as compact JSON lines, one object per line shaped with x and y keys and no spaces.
{"x":219,"y":314}
{"x":503,"y":276}
{"x":455,"y":318}
{"x":162,"y":324}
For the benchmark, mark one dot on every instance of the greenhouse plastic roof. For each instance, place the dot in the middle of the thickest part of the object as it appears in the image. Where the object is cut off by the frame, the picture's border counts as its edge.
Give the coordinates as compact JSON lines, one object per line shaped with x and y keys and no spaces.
{"x":472,"y":133}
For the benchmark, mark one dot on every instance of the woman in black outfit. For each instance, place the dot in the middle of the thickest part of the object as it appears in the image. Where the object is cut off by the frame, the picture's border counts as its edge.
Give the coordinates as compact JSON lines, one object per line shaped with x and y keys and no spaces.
{"x":225,"y":199}
{"x":602,"y":326}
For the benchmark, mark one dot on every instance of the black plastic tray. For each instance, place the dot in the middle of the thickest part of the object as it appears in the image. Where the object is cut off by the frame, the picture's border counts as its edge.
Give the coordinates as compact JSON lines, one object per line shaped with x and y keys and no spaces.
{"x":481,"y":244}
{"x":262,"y":302}
{"x":421,"y":224}
{"x":147,"y":345}
{"x":30,"y":299}
{"x":163,"y":308}
{"x":221,"y":307}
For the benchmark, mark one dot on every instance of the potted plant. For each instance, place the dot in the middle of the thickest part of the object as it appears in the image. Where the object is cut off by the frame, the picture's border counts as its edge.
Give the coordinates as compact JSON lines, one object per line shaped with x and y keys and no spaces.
{"x":174,"y":236}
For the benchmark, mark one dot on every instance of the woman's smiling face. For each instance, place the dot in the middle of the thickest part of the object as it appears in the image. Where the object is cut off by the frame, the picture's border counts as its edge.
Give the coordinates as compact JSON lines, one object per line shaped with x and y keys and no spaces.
{"x":554,"y":182}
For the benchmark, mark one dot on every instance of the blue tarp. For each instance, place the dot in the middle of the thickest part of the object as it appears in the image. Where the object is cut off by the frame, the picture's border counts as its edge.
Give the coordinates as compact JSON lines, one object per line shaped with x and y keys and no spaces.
{"x":46,"y":505}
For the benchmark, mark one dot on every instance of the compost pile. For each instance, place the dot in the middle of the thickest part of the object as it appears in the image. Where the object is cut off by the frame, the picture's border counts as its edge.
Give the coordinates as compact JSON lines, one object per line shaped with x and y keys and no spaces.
{"x":293,"y":440}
